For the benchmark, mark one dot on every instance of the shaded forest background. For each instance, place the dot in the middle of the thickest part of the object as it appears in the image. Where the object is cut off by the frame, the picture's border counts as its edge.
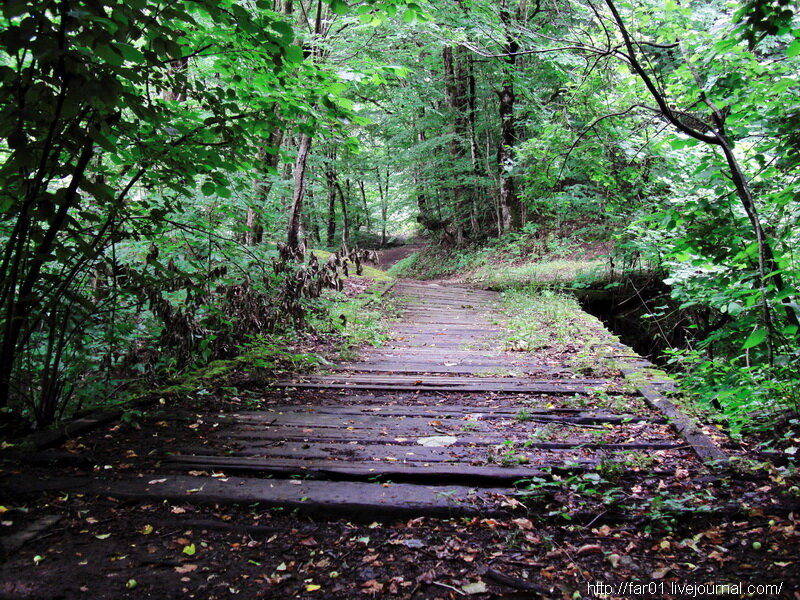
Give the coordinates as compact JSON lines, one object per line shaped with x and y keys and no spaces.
{"x":167,"y":167}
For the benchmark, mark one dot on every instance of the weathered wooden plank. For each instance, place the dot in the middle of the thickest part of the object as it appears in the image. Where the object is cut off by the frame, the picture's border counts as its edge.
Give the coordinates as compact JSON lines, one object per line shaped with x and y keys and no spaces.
{"x":439,"y":328}
{"x":449,"y":380}
{"x":478,"y":421}
{"x":460,"y":303}
{"x":12,"y":543}
{"x":373,"y":450}
{"x":704,"y":446}
{"x":432,"y":367}
{"x":465,"y":439}
{"x":443,"y":387}
{"x":418,"y":473}
{"x":356,"y":501}
{"x":450,"y":410}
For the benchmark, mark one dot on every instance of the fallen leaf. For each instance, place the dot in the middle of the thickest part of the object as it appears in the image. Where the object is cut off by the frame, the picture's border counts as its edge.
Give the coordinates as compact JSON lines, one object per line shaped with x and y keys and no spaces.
{"x":603,"y":531}
{"x":590,"y":549}
{"x":183,"y":569}
{"x":660,"y":573}
{"x":525,"y":524}
{"x":189,"y":550}
{"x":146,"y":530}
{"x":309,"y":541}
{"x":475,"y":588}
{"x":313,"y":587}
{"x":372,"y":587}
{"x":370,"y":558}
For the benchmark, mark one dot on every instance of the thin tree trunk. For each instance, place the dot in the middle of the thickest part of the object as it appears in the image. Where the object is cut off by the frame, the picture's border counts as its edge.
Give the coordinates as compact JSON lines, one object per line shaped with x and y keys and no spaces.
{"x":345,"y":218}
{"x":473,"y":144}
{"x":509,"y":203}
{"x":293,"y":239}
{"x":331,"y":182}
{"x":367,"y":220}
{"x":382,"y":194}
{"x":268,"y":158}
{"x":313,"y":216}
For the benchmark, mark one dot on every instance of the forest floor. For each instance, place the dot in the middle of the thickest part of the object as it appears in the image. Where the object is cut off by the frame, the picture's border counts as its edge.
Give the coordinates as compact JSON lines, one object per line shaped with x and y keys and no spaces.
{"x":485,"y":451}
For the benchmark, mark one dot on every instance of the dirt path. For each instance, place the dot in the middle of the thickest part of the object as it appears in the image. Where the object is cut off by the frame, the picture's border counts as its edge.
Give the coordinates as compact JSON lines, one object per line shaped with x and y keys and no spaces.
{"x":442,"y":464}
{"x":390,"y":256}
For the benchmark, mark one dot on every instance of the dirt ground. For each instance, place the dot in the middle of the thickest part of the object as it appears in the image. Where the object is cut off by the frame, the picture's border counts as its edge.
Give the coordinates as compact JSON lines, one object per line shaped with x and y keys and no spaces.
{"x":389,"y":256}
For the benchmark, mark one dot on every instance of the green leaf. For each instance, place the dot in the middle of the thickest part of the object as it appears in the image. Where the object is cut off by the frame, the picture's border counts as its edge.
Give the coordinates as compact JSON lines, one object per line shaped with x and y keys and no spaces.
{"x":734,"y":308}
{"x":189,"y":550}
{"x":758,"y":336}
{"x":410,"y":15}
{"x":285,"y":30}
{"x":104,"y":142}
{"x":339,"y":8}
{"x":130,"y":53}
{"x":294,"y":54}
{"x":793,"y":49}
{"x":109,"y":55}
{"x":208,"y":188}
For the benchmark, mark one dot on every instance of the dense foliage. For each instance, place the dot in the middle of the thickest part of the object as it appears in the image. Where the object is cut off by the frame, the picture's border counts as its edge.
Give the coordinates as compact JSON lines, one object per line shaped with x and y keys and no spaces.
{"x":157,"y":155}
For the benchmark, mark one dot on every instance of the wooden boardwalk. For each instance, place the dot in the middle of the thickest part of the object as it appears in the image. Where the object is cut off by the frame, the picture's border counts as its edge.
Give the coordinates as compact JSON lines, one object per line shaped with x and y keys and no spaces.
{"x":441,"y":420}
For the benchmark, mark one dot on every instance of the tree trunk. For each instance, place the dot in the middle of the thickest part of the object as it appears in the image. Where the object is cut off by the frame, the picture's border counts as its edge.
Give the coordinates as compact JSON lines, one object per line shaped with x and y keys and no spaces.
{"x":331,"y":181}
{"x":345,"y":219}
{"x":456,"y":92}
{"x":268,"y":158}
{"x":382,"y":194}
{"x":475,"y":224}
{"x":313,"y":217}
{"x":510,"y":216}
{"x":367,"y":220}
{"x":293,"y":239}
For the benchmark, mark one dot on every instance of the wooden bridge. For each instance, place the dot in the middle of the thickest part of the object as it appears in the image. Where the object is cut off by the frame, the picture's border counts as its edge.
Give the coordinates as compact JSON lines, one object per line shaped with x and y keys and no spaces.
{"x":443,"y":420}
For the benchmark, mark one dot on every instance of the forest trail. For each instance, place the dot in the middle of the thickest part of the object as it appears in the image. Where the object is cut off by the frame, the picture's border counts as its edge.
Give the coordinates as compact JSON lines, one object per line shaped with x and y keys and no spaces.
{"x":443,"y":420}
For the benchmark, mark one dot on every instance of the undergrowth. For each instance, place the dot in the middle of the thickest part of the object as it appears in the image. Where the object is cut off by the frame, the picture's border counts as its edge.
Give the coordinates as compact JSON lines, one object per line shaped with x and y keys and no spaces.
{"x":544,"y":320}
{"x":338,"y":325}
{"x":515,"y":260}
